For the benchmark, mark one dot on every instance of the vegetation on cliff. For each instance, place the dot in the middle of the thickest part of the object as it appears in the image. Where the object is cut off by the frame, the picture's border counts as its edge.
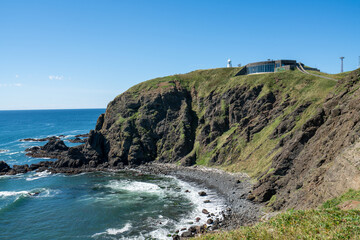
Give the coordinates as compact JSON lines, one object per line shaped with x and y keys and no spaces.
{"x":296,"y":135}
{"x":275,"y":127}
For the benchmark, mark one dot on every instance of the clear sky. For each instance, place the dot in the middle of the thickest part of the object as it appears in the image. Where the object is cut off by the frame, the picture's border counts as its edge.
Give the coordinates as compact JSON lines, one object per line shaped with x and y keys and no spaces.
{"x":83,"y":53}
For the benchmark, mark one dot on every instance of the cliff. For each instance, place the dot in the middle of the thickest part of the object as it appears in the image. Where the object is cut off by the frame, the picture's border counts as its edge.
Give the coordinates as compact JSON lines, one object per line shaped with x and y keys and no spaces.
{"x":296,"y":135}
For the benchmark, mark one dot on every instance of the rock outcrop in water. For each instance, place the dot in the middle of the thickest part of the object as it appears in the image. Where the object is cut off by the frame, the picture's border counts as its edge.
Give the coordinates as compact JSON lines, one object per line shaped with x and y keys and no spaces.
{"x":297,"y":134}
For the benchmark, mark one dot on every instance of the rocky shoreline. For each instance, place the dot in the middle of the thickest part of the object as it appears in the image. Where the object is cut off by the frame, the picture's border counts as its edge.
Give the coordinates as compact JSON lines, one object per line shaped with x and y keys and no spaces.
{"x":233,"y":188}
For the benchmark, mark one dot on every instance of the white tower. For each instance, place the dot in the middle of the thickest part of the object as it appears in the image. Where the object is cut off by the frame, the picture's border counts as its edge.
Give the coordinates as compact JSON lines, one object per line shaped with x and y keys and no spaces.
{"x":229,"y":63}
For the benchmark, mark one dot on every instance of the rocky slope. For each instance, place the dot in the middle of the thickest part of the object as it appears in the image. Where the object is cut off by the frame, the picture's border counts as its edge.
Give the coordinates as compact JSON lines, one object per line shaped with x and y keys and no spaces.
{"x":296,"y":135}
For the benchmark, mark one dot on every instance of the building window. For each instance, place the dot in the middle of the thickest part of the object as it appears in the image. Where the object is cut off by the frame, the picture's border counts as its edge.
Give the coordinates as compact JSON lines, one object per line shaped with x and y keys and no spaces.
{"x":261,"y":68}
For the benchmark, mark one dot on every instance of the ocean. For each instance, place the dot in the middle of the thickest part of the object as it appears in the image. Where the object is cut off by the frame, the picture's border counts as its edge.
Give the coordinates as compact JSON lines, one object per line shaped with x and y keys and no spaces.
{"x":99,"y":205}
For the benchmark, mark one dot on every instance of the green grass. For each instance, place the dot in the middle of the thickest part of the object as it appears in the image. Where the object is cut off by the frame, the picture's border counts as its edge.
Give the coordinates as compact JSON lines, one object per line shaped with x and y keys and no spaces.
{"x":350,"y":195}
{"x":120,"y":120}
{"x":337,"y":76}
{"x":252,"y":157}
{"x":327,"y":222}
{"x":309,"y":224}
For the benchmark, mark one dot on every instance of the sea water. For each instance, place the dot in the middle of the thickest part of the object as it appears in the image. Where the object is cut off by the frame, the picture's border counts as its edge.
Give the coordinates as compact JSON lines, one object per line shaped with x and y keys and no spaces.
{"x":99,"y":205}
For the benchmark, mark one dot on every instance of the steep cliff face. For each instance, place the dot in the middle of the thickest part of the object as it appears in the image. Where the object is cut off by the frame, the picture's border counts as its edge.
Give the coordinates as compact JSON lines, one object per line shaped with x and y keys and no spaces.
{"x":322,"y":159}
{"x":159,"y":124}
{"x":295,"y":134}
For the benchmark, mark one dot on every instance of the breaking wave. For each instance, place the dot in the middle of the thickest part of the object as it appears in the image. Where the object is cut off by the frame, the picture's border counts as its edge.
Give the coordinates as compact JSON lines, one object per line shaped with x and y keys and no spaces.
{"x":113,"y":231}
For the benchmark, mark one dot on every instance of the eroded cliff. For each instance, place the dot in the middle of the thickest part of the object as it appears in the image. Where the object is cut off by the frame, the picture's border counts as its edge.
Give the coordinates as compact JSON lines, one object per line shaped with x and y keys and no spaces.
{"x":296,"y":135}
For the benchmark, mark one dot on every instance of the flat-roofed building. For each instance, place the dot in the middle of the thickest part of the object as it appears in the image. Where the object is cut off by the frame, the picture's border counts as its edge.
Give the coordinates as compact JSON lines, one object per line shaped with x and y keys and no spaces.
{"x":270,"y":66}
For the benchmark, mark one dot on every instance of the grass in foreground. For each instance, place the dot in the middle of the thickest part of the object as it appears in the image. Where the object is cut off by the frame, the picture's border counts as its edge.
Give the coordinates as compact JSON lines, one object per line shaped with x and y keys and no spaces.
{"x":309,"y":224}
{"x":328,"y":222}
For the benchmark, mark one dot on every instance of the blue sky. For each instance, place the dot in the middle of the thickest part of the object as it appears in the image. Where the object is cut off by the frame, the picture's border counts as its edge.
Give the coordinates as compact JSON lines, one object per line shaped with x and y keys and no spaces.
{"x":83,"y":53}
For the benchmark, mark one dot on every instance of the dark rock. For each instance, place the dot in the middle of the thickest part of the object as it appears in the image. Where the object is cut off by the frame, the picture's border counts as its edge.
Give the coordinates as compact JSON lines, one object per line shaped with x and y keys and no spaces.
{"x":202,"y":193}
{"x":209,"y":221}
{"x":4,"y":167}
{"x":192,"y":229}
{"x":100,"y":122}
{"x":187,"y":234}
{"x":207,"y":201}
{"x":40,"y":139}
{"x":77,"y":140}
{"x":86,"y":135}
{"x":55,"y":145}
{"x":204,"y":211}
{"x":197,"y":219}
{"x":200,"y":229}
{"x":53,"y":149}
{"x":21,"y":168}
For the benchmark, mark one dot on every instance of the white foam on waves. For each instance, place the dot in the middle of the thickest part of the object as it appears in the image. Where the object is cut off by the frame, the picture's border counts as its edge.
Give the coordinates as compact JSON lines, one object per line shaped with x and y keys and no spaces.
{"x":11,"y":153}
{"x":162,"y":224}
{"x":216,"y":206}
{"x":38,"y":175}
{"x":42,"y":192}
{"x":4,"y":194}
{"x":114,"y":231}
{"x":133,"y":186}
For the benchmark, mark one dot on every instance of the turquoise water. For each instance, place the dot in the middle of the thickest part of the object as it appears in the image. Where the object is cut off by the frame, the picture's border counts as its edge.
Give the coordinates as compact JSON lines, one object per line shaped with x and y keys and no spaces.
{"x":116,"y":205}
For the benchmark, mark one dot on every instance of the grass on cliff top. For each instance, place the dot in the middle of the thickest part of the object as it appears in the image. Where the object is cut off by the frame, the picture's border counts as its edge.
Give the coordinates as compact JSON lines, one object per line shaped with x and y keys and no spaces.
{"x":297,"y":86}
{"x":337,"y":76}
{"x":200,"y":79}
{"x":253,"y":156}
{"x":328,"y":222}
{"x":221,"y":79}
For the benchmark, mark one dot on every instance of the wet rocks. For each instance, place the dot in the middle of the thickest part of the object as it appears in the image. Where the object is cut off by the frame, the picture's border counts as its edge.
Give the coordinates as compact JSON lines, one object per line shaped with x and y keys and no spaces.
{"x":82,"y":135}
{"x":192,"y":231}
{"x":187,"y":234}
{"x":39,"y":139}
{"x":53,"y":149}
{"x":204,"y":211}
{"x":176,"y":237}
{"x":4,"y":167}
{"x":20,"y":168}
{"x":78,"y":140}
{"x":202,"y":193}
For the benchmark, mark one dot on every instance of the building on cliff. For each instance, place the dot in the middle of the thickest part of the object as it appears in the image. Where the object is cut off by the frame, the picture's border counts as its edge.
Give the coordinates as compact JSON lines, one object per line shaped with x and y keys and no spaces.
{"x":270,"y":66}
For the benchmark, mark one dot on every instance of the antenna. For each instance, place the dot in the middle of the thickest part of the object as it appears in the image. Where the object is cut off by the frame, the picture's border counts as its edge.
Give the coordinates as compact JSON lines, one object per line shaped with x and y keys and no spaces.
{"x":342,"y":64}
